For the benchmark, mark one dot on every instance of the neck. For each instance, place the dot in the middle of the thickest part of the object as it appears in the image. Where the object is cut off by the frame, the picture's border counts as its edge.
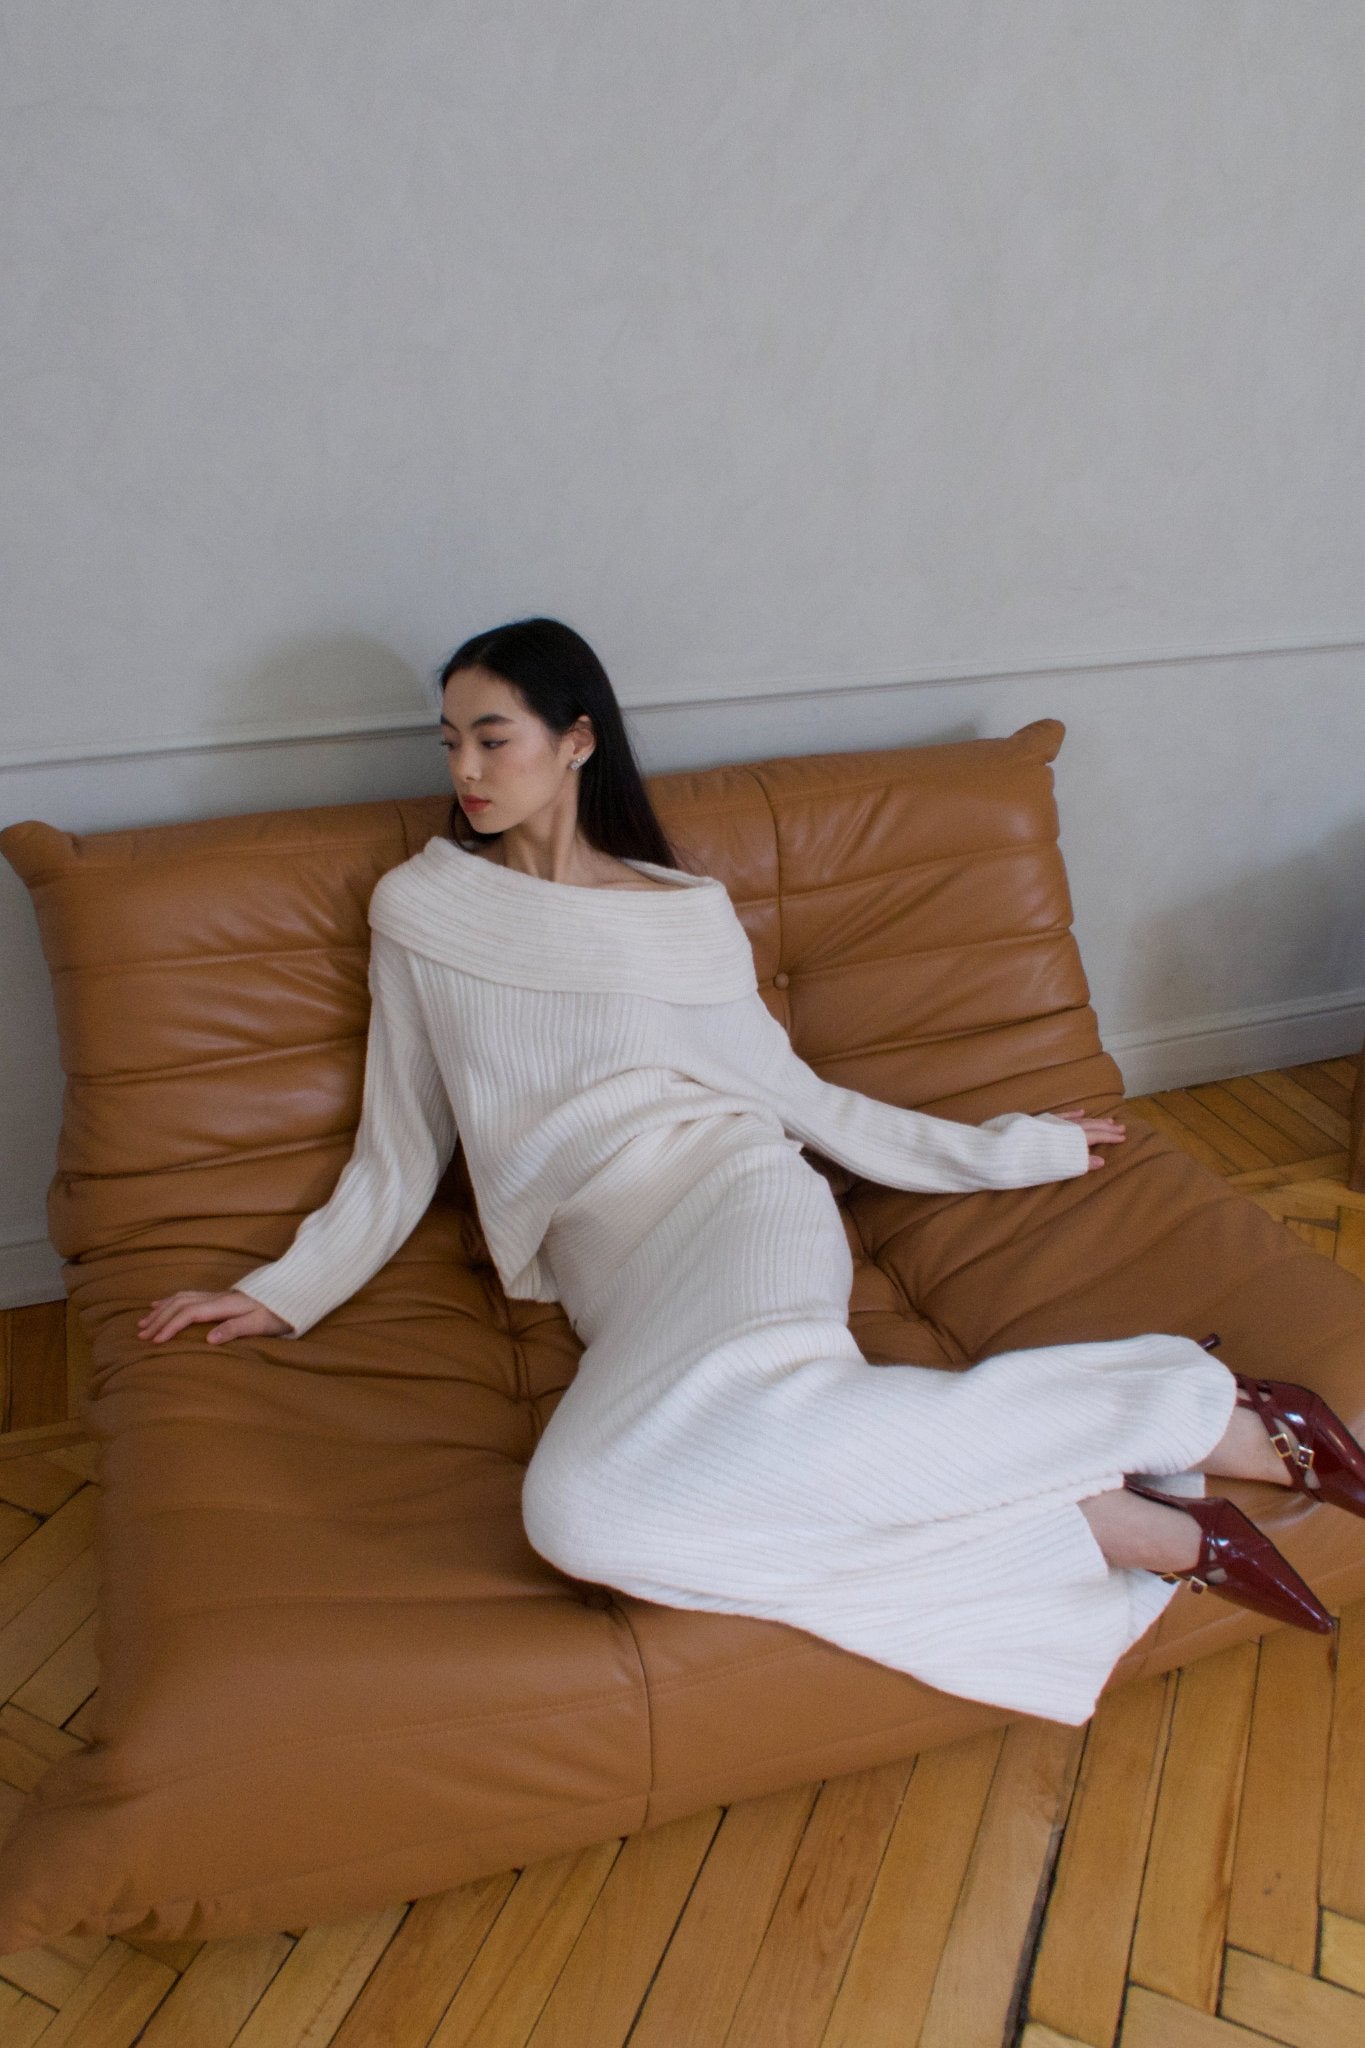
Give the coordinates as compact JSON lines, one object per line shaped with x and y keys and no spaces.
{"x":557,"y":854}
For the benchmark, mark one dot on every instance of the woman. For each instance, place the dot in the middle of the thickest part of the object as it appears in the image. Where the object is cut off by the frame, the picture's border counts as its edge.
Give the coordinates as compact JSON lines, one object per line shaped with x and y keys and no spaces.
{"x":548,"y":984}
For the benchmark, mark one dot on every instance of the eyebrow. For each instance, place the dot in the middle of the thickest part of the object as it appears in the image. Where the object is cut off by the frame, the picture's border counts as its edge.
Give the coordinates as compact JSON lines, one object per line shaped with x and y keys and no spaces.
{"x":488,"y":718}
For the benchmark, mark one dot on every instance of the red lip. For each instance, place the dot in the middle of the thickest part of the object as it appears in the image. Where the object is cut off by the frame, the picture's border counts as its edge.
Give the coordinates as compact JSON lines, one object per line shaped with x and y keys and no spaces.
{"x":476,"y":803}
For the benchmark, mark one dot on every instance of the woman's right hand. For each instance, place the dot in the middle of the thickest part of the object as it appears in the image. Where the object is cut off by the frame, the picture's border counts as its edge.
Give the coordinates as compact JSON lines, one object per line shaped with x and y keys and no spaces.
{"x":235,"y":1314}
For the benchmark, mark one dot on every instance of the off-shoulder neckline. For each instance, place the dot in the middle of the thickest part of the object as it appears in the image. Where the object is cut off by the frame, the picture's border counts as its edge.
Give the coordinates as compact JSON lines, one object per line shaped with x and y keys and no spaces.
{"x":519,"y":879}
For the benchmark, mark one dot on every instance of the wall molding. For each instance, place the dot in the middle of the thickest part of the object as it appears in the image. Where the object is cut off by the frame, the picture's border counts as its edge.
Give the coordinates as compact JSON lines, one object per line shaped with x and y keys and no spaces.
{"x":1240,"y":1042}
{"x":418,"y":724}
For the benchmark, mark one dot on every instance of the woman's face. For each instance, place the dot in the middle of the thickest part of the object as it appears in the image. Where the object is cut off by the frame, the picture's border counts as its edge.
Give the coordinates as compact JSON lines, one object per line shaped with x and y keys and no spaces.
{"x":500,"y":752}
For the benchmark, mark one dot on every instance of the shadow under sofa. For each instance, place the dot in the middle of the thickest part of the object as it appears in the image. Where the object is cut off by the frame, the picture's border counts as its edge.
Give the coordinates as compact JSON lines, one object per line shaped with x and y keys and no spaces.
{"x":334,"y":1674}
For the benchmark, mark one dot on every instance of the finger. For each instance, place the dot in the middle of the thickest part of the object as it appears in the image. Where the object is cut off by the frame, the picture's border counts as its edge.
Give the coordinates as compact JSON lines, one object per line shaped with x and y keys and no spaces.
{"x":192,"y":1312}
{"x":235,"y":1326}
{"x":225,"y":1332}
{"x":163,"y":1307}
{"x":1095,"y":1161}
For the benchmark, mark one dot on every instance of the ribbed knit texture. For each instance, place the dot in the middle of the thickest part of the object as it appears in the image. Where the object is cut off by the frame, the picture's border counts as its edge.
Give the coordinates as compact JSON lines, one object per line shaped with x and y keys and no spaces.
{"x":632,"y":1117}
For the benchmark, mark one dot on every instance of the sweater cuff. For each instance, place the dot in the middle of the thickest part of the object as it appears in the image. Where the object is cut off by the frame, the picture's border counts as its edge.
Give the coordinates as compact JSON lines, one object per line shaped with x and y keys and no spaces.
{"x":1079,"y":1146}
{"x":276,"y":1295}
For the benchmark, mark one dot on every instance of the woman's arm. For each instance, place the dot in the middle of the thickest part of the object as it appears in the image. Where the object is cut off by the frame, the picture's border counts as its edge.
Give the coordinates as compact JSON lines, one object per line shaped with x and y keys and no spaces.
{"x":902,"y":1148}
{"x":403,"y":1143}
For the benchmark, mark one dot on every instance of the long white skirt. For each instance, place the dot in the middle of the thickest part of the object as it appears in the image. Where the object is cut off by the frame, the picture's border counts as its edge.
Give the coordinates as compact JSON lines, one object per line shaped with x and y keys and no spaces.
{"x":726,"y":1446}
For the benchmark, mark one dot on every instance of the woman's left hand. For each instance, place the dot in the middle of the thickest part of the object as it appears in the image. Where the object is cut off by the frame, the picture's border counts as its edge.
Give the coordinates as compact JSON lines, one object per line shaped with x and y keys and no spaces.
{"x":1099,"y":1130}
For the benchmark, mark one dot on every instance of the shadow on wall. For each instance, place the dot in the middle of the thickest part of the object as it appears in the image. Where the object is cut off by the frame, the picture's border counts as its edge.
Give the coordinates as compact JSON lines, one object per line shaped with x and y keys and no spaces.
{"x":314,"y":681}
{"x":322,"y":684}
{"x":1282,"y":935}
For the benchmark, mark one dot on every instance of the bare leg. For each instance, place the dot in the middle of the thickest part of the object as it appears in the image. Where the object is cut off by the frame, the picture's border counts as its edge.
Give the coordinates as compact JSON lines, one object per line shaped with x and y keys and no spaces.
{"x":1244,"y":1451}
{"x":1136,"y":1532}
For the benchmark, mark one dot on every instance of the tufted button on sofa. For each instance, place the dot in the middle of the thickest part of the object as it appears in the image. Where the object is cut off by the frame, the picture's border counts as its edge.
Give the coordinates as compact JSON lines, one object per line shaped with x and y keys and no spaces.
{"x":334,"y":1674}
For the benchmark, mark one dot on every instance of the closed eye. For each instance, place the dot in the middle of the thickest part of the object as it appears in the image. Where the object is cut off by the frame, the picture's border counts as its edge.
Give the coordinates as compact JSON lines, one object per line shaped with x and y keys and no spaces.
{"x":450,"y":744}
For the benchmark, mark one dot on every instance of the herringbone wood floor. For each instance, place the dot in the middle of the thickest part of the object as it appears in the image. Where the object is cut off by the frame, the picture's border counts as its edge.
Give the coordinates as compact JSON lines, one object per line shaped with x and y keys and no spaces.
{"x":1185,"y":1872}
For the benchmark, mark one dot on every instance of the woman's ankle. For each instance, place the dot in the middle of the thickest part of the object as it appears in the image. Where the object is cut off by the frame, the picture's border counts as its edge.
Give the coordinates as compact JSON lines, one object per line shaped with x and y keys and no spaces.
{"x":1244,"y":1451}
{"x":1138,"y":1534}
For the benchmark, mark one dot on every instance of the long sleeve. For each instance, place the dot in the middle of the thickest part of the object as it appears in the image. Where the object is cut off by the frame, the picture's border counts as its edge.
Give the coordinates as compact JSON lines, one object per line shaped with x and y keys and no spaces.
{"x":404,"y":1140}
{"x":902,"y":1148}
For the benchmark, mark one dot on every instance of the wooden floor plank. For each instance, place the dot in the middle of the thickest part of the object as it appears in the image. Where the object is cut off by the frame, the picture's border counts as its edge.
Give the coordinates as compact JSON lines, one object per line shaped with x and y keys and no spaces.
{"x":37,"y":1364}
{"x":1313,"y":1196}
{"x":1295,"y":2009}
{"x":1326,"y":1166}
{"x":602,"y":1985}
{"x":79,"y":1361}
{"x":787,"y":2000}
{"x":22,"y":2019}
{"x":113,"y":2002}
{"x":15,"y":1525}
{"x":1293,"y":1112}
{"x":1343,"y":1838}
{"x":1326,"y":1086}
{"x":1150,"y":1110}
{"x":41,"y":1627}
{"x":1332,"y":1122}
{"x":308,"y":1995}
{"x":979,"y":1977}
{"x":1151,"y":2020}
{"x":1320,"y":1237}
{"x":711,"y":1956}
{"x":412,"y":1986}
{"x":1341,"y":1955}
{"x":886,"y":1988}
{"x":1178,"y":1940}
{"x":65,"y":1678}
{"x":514,"y":1969}
{"x":1186,"y":1108}
{"x":1350,"y":1248}
{"x":49,"y":1551}
{"x":1273,"y":1907}
{"x":45,"y":1973}
{"x":1268,"y":1137}
{"x":32,"y":1481}
{"x":215,"y":1995}
{"x":1082,"y":1963}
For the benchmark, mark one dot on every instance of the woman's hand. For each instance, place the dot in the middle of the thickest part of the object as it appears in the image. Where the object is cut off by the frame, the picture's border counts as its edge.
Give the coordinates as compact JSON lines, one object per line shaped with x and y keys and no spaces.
{"x":236,"y":1315}
{"x":1099,"y":1130}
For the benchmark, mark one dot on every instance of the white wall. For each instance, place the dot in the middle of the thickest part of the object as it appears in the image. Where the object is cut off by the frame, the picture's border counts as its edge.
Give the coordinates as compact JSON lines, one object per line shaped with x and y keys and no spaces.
{"x":848,"y":375}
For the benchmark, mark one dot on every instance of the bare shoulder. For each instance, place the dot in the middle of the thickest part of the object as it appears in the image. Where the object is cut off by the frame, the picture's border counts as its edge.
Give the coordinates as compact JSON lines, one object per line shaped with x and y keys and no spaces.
{"x":613,"y":873}
{"x":630,"y":880}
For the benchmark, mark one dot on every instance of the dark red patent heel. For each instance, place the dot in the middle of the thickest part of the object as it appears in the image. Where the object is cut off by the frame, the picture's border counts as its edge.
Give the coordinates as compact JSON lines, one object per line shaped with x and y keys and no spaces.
{"x":1323,"y":1458}
{"x":1241,"y":1564}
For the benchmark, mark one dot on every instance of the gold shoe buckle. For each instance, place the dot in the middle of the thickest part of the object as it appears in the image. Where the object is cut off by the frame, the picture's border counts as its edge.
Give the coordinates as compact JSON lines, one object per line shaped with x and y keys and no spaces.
{"x":1291,"y":1450}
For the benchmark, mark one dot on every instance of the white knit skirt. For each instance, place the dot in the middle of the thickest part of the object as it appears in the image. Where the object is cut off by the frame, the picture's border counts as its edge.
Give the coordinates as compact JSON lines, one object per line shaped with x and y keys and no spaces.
{"x":724,"y":1444}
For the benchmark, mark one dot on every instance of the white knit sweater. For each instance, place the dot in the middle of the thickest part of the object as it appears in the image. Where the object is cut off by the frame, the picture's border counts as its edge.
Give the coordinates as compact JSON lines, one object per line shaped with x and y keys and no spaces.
{"x":547,"y":1025}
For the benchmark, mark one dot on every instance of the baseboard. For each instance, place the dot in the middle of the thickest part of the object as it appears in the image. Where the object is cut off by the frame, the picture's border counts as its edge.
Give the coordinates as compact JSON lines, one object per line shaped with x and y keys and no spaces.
{"x":30,"y":1271}
{"x":1240,"y":1042}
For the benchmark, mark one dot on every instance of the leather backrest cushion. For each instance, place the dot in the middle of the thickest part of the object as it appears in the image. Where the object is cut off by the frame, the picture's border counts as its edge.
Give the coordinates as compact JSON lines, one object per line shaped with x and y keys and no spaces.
{"x":210,"y":978}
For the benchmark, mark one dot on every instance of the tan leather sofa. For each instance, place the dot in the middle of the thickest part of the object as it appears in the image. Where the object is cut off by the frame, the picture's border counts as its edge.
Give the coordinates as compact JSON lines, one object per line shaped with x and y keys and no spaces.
{"x":334,"y":1673}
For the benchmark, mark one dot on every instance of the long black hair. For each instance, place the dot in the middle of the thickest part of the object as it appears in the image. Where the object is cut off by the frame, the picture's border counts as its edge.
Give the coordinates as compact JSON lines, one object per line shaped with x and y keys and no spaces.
{"x":559,"y":678}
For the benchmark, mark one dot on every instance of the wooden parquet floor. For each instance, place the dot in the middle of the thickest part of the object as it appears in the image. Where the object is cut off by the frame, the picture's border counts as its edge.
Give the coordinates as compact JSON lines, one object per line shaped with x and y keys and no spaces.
{"x":1188,"y":1871}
